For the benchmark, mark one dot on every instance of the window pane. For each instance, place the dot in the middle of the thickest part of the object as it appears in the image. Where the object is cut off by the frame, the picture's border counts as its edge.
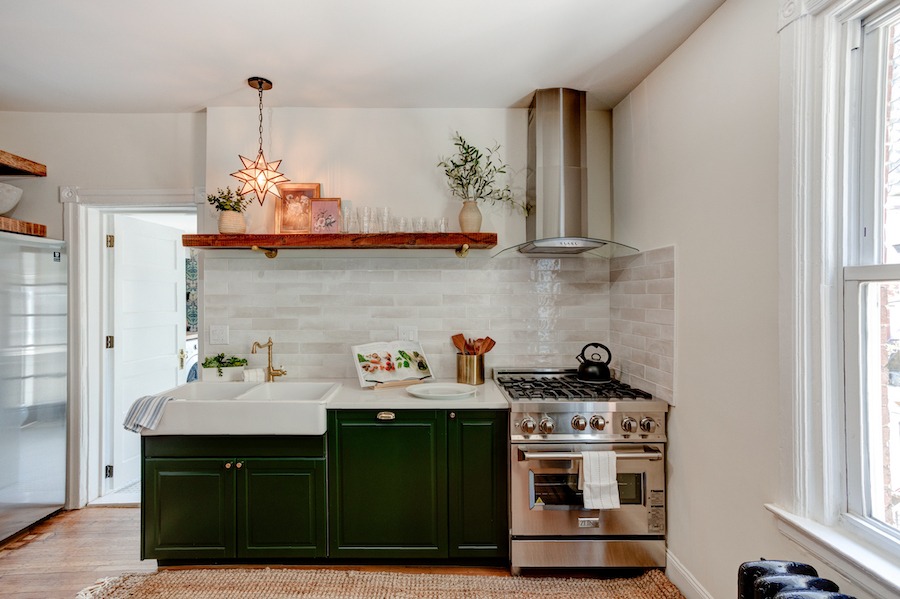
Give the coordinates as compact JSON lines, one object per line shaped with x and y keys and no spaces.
{"x":891,"y":193}
{"x":881,"y":406}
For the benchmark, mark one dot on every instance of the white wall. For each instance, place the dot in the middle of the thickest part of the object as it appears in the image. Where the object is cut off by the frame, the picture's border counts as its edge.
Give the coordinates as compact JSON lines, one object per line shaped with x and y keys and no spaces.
{"x":695,"y":165}
{"x":101,"y":151}
{"x":387,"y":157}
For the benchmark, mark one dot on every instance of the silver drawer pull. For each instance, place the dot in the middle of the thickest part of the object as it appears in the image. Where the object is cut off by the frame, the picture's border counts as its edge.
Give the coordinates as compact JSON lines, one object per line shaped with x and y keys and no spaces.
{"x":386,"y":416}
{"x":564,"y":455}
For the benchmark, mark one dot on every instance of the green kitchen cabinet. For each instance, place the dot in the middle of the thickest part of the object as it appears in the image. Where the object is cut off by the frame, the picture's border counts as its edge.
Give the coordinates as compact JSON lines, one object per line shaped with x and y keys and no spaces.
{"x":418,"y":483}
{"x":478,"y":473}
{"x":201,"y":502}
{"x":387,"y":484}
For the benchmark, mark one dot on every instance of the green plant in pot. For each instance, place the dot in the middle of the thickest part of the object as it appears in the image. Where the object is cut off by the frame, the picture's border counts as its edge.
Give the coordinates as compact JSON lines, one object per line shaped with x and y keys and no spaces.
{"x":231,"y":208}
{"x":472,"y":178}
{"x":221,"y":361}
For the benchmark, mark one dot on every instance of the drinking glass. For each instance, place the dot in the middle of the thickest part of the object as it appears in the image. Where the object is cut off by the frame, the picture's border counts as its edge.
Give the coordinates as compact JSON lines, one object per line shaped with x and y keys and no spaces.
{"x":367,"y":221}
{"x":384,"y":219}
{"x":420,"y":224}
{"x":442,"y":224}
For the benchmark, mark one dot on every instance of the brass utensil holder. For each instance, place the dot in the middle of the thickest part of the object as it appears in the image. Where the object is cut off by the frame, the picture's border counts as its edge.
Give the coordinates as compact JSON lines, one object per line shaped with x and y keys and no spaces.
{"x":470,"y":369}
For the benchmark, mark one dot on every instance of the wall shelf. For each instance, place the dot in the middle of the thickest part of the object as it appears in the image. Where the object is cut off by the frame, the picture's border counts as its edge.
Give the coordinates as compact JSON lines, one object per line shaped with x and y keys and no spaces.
{"x":461,"y":242}
{"x":16,"y":166}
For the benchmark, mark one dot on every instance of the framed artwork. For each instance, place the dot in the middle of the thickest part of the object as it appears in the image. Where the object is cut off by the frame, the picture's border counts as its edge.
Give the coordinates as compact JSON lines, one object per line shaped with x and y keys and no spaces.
{"x":325,"y":215}
{"x":292,"y":209}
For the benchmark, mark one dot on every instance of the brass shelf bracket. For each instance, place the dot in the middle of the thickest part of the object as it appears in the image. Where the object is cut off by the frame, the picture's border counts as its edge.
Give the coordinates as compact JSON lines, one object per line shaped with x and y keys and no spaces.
{"x":269,"y":252}
{"x":462,"y":251}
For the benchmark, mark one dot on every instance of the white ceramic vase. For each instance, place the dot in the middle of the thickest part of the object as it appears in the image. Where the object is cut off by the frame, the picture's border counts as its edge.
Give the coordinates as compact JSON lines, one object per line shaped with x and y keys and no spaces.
{"x":470,"y":218}
{"x":232,"y":223}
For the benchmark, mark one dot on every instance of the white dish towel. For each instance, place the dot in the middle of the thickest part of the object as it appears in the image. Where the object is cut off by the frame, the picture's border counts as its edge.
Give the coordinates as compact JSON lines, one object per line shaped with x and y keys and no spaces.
{"x":145,"y":412}
{"x":598,"y":478}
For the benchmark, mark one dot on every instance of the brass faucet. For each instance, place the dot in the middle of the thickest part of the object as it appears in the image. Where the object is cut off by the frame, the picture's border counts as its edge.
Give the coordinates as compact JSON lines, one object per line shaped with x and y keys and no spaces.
{"x":271,"y":372}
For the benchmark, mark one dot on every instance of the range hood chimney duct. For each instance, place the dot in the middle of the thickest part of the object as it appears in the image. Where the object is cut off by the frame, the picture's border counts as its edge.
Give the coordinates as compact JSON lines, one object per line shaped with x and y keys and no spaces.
{"x":556,"y":180}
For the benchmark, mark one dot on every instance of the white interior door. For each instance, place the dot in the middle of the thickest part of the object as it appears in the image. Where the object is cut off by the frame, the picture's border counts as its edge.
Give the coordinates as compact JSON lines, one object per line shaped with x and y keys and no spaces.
{"x":148,"y":327}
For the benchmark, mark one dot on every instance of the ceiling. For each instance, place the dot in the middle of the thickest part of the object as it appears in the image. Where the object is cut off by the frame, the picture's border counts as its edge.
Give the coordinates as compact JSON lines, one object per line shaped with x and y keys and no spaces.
{"x":175,"y":56}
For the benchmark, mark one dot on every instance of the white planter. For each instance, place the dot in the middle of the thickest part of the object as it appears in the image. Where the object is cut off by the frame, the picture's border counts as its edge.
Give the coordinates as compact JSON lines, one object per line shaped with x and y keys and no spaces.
{"x":230,"y":374}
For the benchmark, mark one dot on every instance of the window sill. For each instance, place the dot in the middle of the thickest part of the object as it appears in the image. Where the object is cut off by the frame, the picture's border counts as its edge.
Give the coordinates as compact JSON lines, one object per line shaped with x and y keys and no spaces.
{"x":873,"y":570}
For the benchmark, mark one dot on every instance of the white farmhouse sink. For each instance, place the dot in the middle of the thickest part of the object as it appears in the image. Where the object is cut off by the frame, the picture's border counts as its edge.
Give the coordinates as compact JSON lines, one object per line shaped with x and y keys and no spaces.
{"x":282,"y":408}
{"x":203,"y":391}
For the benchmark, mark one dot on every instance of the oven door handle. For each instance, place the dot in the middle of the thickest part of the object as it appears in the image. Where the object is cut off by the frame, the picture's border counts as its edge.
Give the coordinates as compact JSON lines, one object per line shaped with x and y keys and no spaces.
{"x":653,"y":454}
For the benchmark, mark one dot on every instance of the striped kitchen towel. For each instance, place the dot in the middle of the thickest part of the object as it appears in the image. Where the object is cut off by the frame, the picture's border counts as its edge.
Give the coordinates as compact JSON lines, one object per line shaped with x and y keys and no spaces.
{"x":145,"y":412}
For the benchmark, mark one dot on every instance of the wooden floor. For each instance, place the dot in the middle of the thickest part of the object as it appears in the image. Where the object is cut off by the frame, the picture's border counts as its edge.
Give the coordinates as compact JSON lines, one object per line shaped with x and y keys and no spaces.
{"x":72,"y":550}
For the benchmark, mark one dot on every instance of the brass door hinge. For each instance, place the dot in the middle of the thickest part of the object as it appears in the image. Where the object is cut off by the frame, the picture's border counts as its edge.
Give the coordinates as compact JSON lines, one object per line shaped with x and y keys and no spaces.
{"x":110,"y":241}
{"x":110,"y":342}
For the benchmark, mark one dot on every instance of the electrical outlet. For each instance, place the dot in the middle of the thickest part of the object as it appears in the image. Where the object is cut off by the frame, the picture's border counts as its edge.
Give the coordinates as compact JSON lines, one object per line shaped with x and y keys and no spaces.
{"x":407,"y":333}
{"x":218,"y":334}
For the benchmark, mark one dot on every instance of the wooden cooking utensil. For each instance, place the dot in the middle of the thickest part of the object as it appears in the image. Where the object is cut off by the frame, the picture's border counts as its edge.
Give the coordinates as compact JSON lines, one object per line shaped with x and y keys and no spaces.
{"x":478,"y":344}
{"x":487,"y":345}
{"x":460,"y":342}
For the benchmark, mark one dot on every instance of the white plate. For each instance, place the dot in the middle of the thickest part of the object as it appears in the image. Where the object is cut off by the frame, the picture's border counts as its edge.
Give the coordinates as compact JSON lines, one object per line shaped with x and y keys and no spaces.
{"x":441,"y":390}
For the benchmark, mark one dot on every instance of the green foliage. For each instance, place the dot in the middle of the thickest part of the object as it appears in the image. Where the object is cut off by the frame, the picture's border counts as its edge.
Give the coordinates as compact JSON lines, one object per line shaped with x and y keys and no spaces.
{"x":227,"y":200}
{"x":471,"y":175}
{"x":220,"y":361}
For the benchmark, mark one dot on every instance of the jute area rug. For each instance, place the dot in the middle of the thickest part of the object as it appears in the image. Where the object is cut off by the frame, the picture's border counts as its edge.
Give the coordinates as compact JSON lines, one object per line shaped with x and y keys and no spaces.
{"x":288,"y":583}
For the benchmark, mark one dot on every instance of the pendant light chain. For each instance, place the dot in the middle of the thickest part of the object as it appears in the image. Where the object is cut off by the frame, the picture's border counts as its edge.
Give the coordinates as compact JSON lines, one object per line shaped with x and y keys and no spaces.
{"x":260,"y":117}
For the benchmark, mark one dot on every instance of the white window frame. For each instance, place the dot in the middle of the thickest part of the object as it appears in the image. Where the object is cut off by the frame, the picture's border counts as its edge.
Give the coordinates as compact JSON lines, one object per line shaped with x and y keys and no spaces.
{"x":819,"y":168}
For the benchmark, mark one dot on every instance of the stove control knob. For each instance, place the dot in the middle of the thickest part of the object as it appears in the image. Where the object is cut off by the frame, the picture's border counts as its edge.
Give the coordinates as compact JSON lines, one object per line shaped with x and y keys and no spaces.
{"x":527,"y":425}
{"x":547,"y":425}
{"x":648,"y":425}
{"x":598,"y":423}
{"x":629,"y":425}
{"x":579,"y":423}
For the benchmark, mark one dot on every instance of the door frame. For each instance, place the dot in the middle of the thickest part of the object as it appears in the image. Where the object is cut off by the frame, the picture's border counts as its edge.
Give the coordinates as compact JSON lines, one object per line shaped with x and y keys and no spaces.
{"x":81,"y":220}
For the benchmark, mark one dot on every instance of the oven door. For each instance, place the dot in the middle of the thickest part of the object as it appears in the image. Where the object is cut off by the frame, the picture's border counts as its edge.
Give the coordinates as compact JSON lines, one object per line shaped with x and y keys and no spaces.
{"x":546,"y":501}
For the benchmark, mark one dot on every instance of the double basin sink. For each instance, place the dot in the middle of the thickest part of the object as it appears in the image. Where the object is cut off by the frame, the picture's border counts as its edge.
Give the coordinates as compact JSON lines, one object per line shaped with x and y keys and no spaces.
{"x":246,"y":408}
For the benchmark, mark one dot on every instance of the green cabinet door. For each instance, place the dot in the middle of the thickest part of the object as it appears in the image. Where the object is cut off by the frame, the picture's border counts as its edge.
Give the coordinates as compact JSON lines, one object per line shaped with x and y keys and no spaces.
{"x":188,"y":508}
{"x":387,"y":484}
{"x":478,"y":472}
{"x":202,"y":503}
{"x":281,"y":507}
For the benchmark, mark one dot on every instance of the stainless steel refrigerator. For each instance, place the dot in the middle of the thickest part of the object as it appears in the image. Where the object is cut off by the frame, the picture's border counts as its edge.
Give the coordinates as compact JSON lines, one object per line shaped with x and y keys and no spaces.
{"x":33,"y":389}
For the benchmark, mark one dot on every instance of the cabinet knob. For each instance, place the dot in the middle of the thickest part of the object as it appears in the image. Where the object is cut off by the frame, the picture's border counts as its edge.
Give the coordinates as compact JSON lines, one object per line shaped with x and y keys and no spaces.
{"x":227,"y":465}
{"x":239,"y":465}
{"x":452,"y":415}
{"x":386,"y":416}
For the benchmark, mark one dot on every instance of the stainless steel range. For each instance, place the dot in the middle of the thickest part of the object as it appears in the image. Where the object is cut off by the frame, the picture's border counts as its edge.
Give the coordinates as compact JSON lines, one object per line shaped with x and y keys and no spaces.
{"x":555,"y":418}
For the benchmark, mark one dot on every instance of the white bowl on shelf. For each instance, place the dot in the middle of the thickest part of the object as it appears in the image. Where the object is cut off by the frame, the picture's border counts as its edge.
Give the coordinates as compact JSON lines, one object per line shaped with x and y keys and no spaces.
{"x":9,"y":197}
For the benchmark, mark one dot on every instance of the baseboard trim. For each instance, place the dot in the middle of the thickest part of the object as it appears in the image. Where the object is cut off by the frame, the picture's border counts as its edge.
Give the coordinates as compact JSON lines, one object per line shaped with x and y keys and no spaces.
{"x":681,"y":577}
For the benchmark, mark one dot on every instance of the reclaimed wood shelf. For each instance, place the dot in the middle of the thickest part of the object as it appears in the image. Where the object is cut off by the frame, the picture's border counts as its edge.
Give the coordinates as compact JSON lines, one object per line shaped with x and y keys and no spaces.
{"x":340,"y":241}
{"x":12,"y":225}
{"x":12,"y":165}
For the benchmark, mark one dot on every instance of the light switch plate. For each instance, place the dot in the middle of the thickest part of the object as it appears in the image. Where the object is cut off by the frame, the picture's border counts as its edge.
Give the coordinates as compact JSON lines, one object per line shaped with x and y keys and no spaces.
{"x":218,"y":334}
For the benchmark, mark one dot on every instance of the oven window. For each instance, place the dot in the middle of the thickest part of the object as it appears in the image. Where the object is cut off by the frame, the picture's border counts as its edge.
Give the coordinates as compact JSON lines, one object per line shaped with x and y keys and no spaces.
{"x":561,"y":491}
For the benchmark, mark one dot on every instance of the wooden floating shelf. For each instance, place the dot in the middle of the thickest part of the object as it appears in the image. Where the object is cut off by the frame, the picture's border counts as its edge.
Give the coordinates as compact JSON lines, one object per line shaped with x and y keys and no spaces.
{"x":340,"y":241}
{"x":12,"y":165}
{"x":12,"y":225}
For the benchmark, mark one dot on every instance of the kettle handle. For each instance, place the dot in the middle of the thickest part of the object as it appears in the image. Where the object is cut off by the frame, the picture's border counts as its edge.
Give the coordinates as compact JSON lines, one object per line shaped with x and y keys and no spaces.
{"x":582,"y":357}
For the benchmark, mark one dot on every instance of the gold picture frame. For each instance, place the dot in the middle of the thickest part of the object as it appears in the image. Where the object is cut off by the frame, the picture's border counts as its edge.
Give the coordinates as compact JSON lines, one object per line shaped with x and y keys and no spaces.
{"x":293,"y":207}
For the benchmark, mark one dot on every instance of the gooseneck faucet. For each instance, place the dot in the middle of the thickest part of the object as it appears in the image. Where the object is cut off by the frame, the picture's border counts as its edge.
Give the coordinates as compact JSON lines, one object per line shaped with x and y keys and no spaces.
{"x":271,"y":372}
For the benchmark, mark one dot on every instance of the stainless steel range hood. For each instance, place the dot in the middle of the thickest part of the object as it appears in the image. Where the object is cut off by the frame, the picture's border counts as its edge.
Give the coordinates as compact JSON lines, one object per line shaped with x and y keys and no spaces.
{"x":556,"y":179}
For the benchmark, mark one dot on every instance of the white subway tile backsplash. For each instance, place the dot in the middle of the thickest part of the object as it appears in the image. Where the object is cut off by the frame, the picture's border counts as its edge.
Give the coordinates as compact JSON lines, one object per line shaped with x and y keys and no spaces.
{"x":541,"y":311}
{"x":642,"y":319}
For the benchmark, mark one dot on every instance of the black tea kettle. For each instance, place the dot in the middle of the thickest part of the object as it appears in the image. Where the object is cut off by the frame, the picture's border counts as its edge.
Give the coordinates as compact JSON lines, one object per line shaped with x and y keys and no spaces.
{"x":592,"y":369}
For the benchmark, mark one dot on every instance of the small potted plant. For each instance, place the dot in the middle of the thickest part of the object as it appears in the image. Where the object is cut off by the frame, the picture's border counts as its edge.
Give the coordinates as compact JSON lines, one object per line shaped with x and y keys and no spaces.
{"x":231,"y":208}
{"x":472,"y":178}
{"x":227,"y":368}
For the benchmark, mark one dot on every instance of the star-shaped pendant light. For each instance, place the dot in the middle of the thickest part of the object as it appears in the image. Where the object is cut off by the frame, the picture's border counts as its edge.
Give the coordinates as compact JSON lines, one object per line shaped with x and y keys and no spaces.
{"x":260,"y":177}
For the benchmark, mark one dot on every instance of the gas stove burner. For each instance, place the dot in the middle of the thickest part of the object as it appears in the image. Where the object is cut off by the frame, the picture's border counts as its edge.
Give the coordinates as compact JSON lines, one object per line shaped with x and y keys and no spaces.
{"x":565,"y":385}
